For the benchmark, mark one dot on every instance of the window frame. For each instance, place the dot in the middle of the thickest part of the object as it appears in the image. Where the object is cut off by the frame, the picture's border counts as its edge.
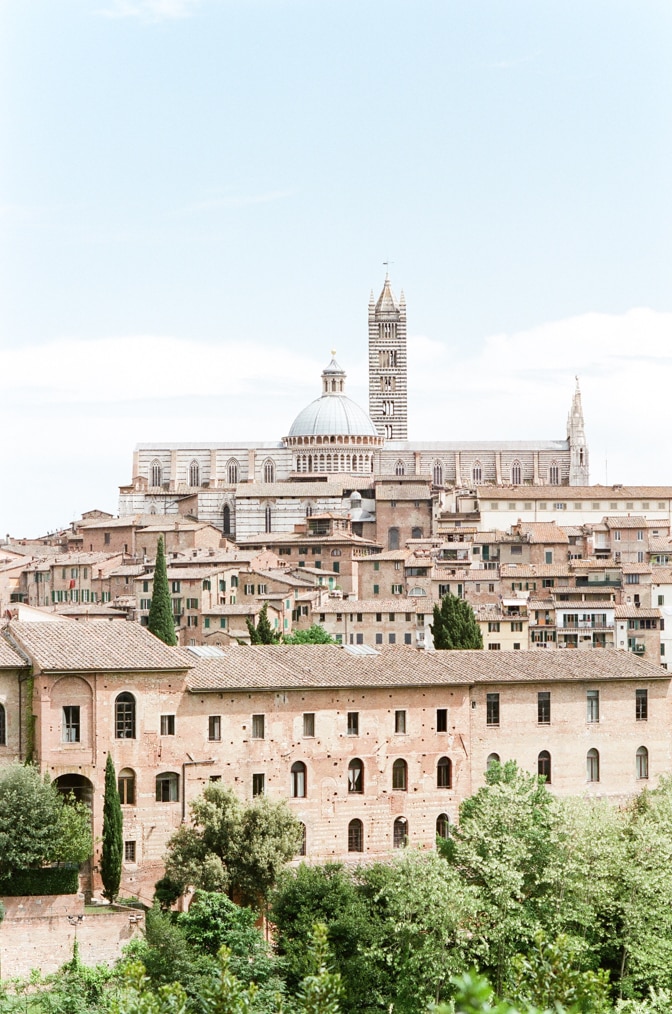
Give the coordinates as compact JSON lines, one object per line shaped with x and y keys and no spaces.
{"x":71,"y":731}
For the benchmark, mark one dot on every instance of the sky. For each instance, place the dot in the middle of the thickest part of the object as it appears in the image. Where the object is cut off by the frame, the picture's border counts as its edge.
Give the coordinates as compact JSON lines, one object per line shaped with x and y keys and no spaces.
{"x":197,"y":197}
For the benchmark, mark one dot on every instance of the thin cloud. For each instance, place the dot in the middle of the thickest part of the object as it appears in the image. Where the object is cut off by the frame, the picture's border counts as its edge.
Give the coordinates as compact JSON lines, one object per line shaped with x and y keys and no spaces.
{"x":151,"y":10}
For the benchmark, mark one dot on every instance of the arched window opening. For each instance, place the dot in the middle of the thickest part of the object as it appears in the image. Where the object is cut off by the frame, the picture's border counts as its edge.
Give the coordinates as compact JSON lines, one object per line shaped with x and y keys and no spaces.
{"x":155,"y":473}
{"x":298,"y":772}
{"x":544,"y":766}
{"x":593,"y":765}
{"x":126,"y":787}
{"x":642,"y":762}
{"x":554,"y":474}
{"x":226,"y":520}
{"x":124,"y":716}
{"x":393,"y":538}
{"x":232,"y":472}
{"x":388,"y":431}
{"x":304,"y":840}
{"x":356,"y":775}
{"x":400,"y":833}
{"x":269,"y":471}
{"x":443,"y":825}
{"x":194,"y":474}
{"x":493,"y":758}
{"x":437,"y":473}
{"x":516,"y":473}
{"x":355,"y":836}
{"x":400,"y":775}
{"x":477,"y":473}
{"x":268,"y":519}
{"x":416,"y":533}
{"x":444,"y":774}
{"x":167,"y":787}
{"x":399,"y":468}
{"x":3,"y":726}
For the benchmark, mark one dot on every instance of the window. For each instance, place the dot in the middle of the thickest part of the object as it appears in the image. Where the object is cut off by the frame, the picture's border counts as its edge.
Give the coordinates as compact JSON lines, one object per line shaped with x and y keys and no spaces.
{"x":268,"y":519}
{"x":155,"y":475}
{"x":407,"y":639}
{"x":167,"y":787}
{"x":126,"y":787}
{"x":356,"y":776}
{"x":493,"y":758}
{"x":400,"y":775}
{"x":493,"y":627}
{"x":304,"y":840}
{"x":194,"y":474}
{"x":192,"y":603}
{"x":269,"y":471}
{"x":641,"y":705}
{"x":248,"y":589}
{"x":400,"y":721}
{"x":124,"y":716}
{"x":632,"y":578}
{"x":593,"y":765}
{"x":192,"y":621}
{"x":258,"y":782}
{"x":167,"y":725}
{"x":544,"y":765}
{"x":397,"y":589}
{"x":232,"y":472}
{"x":258,"y":726}
{"x":355,"y":836}
{"x":392,"y":638}
{"x":516,"y":473}
{"x":379,"y":638}
{"x":71,"y":727}
{"x":444,"y":773}
{"x":309,"y":723}
{"x":393,"y":538}
{"x":443,"y":826}
{"x":516,"y":625}
{"x":492,"y":709}
{"x":494,"y":646}
{"x":129,"y":851}
{"x":353,"y":723}
{"x":437,"y":473}
{"x":544,"y":707}
{"x":376,"y":591}
{"x":175,"y":587}
{"x":215,"y":728}
{"x":400,"y":833}
{"x":477,"y":473}
{"x":642,"y":762}
{"x":298,"y":773}
{"x":3,"y":726}
{"x":593,"y":706}
{"x":554,"y":475}
{"x":442,"y":719}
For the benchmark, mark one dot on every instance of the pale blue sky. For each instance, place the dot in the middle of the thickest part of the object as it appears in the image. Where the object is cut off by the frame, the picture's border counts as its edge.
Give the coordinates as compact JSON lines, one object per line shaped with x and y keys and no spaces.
{"x":196,"y":197}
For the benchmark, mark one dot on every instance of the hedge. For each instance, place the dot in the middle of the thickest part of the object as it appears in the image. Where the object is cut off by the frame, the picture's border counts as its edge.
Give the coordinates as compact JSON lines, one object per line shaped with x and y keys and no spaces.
{"x":47,"y":880}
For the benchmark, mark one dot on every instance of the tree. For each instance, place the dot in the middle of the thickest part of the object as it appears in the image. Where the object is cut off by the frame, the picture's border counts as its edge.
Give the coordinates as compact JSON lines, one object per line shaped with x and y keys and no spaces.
{"x":113,"y":833}
{"x":161,"y":622}
{"x":263,"y":633}
{"x":455,"y":625}
{"x":314,"y":635}
{"x":233,"y":846}
{"x":38,"y":825}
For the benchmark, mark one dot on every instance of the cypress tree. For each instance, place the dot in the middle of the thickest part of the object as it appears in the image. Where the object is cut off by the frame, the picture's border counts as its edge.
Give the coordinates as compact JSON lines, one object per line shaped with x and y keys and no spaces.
{"x":455,"y":625}
{"x":113,"y":833}
{"x":263,"y":633}
{"x":161,"y":622}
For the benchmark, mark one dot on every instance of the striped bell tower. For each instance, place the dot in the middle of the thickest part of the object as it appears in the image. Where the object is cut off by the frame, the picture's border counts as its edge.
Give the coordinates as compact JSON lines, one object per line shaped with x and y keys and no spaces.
{"x":388,"y":407}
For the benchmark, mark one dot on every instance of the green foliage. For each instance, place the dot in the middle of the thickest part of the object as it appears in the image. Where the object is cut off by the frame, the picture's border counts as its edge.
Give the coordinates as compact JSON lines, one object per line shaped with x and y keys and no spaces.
{"x":37,"y":824}
{"x":320,"y":990}
{"x":233,"y":846}
{"x":455,"y":625}
{"x":113,"y":834}
{"x":160,"y":621}
{"x":550,"y":973}
{"x":43,"y":880}
{"x":314,"y":635}
{"x":263,"y":633}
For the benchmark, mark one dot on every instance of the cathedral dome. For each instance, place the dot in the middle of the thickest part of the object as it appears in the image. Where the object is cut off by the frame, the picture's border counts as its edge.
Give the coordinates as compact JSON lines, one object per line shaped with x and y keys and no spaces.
{"x":333,"y":414}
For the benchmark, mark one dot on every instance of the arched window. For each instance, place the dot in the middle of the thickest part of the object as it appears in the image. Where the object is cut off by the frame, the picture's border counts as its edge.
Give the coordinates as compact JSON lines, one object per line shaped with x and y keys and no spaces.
{"x":356,"y":775}
{"x":304,"y":840}
{"x":355,"y":836}
{"x":554,"y":474}
{"x":400,"y":776}
{"x":3,"y":726}
{"x":442,"y":825}
{"x":444,"y":773}
{"x":298,"y":772}
{"x":493,"y":758}
{"x":232,"y":471}
{"x":477,"y":473}
{"x":194,"y":474}
{"x":642,"y":762}
{"x":416,"y":533}
{"x":544,"y":765}
{"x":269,"y":471}
{"x":593,"y":765}
{"x":124,"y":716}
{"x":126,"y":787}
{"x":167,"y":787}
{"x":399,"y":468}
{"x":393,"y":538}
{"x":437,"y":473}
{"x":400,"y":833}
{"x":388,"y":431}
{"x":516,"y":473}
{"x":268,"y":518}
{"x":155,"y":473}
{"x":226,"y":519}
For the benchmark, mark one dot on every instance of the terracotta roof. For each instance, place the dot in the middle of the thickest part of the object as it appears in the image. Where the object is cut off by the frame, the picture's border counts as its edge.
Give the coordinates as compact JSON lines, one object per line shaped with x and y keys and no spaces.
{"x":636,"y":568}
{"x":629,"y":521}
{"x":94,"y":646}
{"x":239,"y":608}
{"x":400,"y":605}
{"x":321,"y":665}
{"x":630,"y":611}
{"x":9,"y":658}
{"x":390,"y":491}
{"x":534,"y":570}
{"x":543,"y":531}
{"x":570,"y":493}
{"x":295,"y":490}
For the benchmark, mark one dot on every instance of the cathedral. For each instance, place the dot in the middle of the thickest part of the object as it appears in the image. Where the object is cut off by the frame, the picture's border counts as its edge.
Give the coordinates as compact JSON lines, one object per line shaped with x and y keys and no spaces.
{"x":334,"y":447}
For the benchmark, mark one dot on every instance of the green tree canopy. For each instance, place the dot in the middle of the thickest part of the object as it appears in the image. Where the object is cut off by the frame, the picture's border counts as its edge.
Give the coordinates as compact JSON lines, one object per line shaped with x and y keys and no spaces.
{"x":314,"y":635}
{"x":113,"y":834}
{"x":455,"y":626}
{"x":161,"y":622}
{"x":263,"y":632}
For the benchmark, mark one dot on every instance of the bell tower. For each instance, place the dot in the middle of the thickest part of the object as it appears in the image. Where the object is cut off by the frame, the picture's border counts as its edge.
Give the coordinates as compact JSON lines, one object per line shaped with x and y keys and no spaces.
{"x":388,"y":407}
{"x":578,"y":446}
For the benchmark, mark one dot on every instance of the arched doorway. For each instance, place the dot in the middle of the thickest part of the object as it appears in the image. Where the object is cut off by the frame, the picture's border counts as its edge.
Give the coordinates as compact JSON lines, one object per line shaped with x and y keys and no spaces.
{"x":78,"y":785}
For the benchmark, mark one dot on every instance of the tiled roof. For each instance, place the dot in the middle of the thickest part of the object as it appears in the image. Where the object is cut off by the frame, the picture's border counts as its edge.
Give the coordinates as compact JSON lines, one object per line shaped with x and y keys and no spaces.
{"x":237,"y":609}
{"x":569,"y":493}
{"x":630,"y":521}
{"x":294,"y":490}
{"x":400,"y":605}
{"x":630,"y":611}
{"x":390,"y":554}
{"x":9,"y":658}
{"x":306,"y":666}
{"x":390,"y":491}
{"x":534,"y":570}
{"x":636,"y":568}
{"x":543,"y":531}
{"x":98,"y":645}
